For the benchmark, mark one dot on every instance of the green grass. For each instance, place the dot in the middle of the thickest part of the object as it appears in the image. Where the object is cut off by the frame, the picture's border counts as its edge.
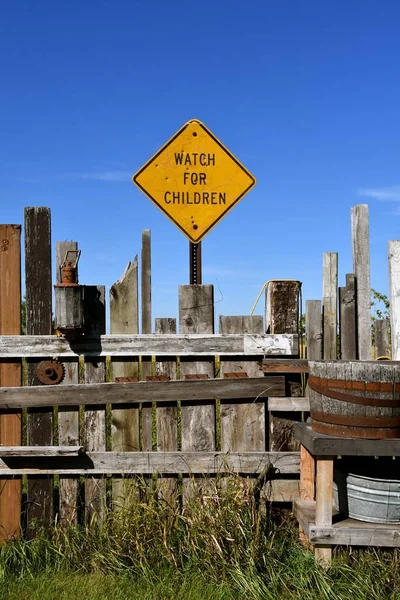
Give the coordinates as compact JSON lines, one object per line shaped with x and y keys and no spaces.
{"x":222,"y":545}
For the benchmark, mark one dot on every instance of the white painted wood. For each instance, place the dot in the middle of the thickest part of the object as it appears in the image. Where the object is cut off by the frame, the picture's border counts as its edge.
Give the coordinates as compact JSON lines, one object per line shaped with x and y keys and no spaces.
{"x":361,"y":268}
{"x":149,"y":345}
{"x":394,"y":285}
{"x":290,"y":403}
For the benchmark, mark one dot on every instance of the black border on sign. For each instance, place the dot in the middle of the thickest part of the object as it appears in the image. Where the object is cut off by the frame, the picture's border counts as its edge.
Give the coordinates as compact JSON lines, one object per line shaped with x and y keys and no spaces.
{"x":168,"y":143}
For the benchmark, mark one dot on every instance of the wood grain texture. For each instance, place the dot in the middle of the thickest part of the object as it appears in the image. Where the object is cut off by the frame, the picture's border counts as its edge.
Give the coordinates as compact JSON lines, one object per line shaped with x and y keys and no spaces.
{"x":95,"y":417}
{"x":124,"y":319}
{"x":346,"y":532}
{"x":196,"y":316}
{"x":290,"y":404}
{"x":320,"y":444}
{"x":324,"y":504}
{"x":167,"y":414}
{"x":394,"y":288}
{"x":38,"y":322}
{"x":314,"y":328}
{"x":146,"y":368}
{"x":285,"y":365}
{"x":242,"y":421}
{"x":68,"y":417}
{"x":329,"y":304}
{"x":361,"y":269}
{"x":146,"y":463}
{"x":382,"y":338}
{"x":10,"y":371}
{"x":148,"y":345}
{"x":282,"y":306}
{"x":282,"y":317}
{"x":348,"y":319}
{"x":151,"y":391}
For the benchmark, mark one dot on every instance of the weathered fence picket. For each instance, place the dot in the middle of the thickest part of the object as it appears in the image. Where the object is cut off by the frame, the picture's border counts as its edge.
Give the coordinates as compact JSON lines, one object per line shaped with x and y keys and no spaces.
{"x":10,"y":372}
{"x":38,"y":322}
{"x":68,"y":417}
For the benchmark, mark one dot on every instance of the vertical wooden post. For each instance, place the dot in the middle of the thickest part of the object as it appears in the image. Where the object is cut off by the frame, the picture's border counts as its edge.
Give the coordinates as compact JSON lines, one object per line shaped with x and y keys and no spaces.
{"x":323,"y":514}
{"x":147,"y":411}
{"x":196,"y":315}
{"x":394,"y":285}
{"x":330,"y":291}
{"x":282,"y":313}
{"x":282,"y":306}
{"x":68,"y":418}
{"x":124,"y":319}
{"x":95,"y":417}
{"x":314,"y":329}
{"x":348,"y":319}
{"x":167,"y":414}
{"x":242,"y":421}
{"x":382,"y":344}
{"x":361,"y":268}
{"x":38,"y":322}
{"x":10,"y":372}
{"x":314,"y":349}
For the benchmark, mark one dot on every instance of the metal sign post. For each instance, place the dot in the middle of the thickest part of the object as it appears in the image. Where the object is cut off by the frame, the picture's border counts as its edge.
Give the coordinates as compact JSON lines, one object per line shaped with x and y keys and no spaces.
{"x":195,"y":267}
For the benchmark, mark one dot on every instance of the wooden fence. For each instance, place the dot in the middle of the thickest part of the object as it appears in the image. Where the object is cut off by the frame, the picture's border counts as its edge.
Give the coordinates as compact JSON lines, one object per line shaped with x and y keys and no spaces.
{"x":171,"y":407}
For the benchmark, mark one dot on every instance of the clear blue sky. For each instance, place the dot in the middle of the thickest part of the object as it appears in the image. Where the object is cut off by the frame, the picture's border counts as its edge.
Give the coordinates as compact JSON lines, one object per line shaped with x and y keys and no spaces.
{"x":305,"y":94}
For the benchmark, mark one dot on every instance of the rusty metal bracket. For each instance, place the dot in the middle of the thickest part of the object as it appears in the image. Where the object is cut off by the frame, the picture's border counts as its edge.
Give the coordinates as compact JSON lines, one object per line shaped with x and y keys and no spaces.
{"x":197,"y":376}
{"x":157,"y":378}
{"x":237,"y":375}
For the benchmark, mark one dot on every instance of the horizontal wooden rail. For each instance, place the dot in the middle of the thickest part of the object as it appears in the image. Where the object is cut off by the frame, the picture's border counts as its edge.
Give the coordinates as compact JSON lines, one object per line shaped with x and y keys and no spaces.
{"x":253,"y":388}
{"x":291,"y":404}
{"x":147,"y":463}
{"x":40,"y":451}
{"x":285,"y":365}
{"x":149,"y":345}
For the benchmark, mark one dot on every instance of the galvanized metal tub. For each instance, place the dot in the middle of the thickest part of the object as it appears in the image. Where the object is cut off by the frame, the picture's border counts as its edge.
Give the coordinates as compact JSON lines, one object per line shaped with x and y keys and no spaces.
{"x":358,"y":399}
{"x":370,"y":499}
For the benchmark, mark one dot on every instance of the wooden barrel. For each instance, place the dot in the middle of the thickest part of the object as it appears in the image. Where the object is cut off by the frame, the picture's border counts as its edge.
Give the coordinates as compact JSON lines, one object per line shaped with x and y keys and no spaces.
{"x":358,"y":399}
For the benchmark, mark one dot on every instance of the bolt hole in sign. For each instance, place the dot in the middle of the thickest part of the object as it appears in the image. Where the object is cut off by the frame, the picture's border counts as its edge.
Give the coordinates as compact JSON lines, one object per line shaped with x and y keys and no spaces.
{"x":194,"y":180}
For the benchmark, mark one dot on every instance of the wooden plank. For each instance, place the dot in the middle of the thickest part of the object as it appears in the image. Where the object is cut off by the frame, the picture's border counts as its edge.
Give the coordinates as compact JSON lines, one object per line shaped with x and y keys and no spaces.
{"x":146,"y":281}
{"x":283,"y":490}
{"x":196,"y":315}
{"x":347,"y":532}
{"x":290,"y":404}
{"x":10,"y":371}
{"x":361,"y":269}
{"x":124,"y":318}
{"x":348,"y":319}
{"x":38,"y":322}
{"x":146,"y":370}
{"x":40,"y":451}
{"x":282,"y":317}
{"x":68,"y":417}
{"x":95,"y":417}
{"x":324,"y":501}
{"x":149,"y":345}
{"x":242,"y":421}
{"x":167,"y":413}
{"x":282,"y":306}
{"x":285,"y":365}
{"x":147,"y":463}
{"x":394,"y":287}
{"x":151,"y":391}
{"x":307,"y":475}
{"x":329,"y":303}
{"x":320,"y":444}
{"x":382,"y":339}
{"x":314,"y":329}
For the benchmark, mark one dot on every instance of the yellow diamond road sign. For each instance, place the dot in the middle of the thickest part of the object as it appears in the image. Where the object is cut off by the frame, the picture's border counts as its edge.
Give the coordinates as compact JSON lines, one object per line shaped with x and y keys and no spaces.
{"x":194,"y":180}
